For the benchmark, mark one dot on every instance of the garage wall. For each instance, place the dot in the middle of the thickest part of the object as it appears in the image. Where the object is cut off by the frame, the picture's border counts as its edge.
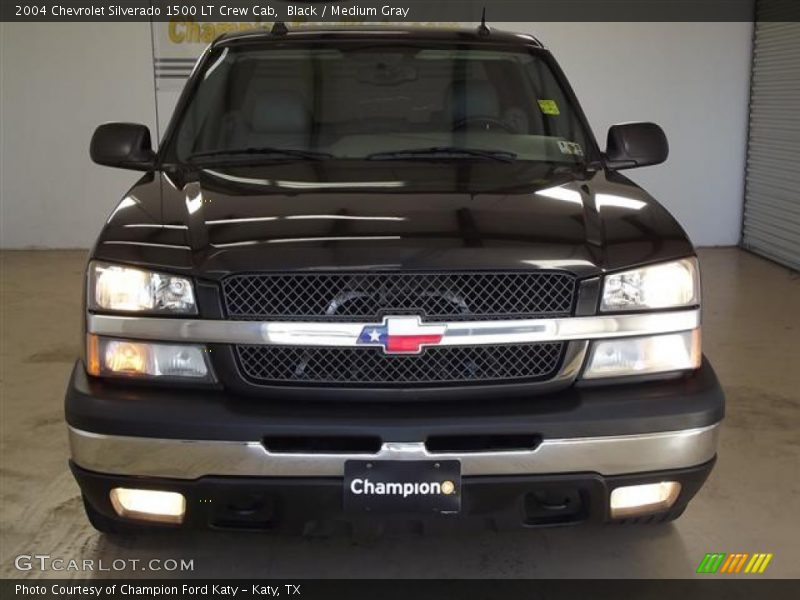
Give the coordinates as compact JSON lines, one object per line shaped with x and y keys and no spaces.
{"x":58,"y":83}
{"x":692,"y":78}
{"x":772,"y":204}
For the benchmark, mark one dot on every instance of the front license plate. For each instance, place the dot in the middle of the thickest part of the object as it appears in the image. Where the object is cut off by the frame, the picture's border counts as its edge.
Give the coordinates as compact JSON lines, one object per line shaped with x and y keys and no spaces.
{"x":402,"y":486}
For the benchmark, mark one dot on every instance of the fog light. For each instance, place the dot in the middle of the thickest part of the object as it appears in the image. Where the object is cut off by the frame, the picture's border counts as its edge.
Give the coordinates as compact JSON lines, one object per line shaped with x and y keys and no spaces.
{"x":149,"y":505}
{"x":635,"y":500}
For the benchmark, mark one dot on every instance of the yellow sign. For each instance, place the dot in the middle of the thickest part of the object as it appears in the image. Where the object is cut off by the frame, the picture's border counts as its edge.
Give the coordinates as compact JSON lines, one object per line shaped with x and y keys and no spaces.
{"x":549,"y":107}
{"x":191,"y":32}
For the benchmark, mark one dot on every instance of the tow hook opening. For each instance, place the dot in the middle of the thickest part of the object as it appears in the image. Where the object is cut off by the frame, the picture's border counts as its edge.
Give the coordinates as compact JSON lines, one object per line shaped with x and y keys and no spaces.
{"x":555,"y":506}
{"x":246,"y":511}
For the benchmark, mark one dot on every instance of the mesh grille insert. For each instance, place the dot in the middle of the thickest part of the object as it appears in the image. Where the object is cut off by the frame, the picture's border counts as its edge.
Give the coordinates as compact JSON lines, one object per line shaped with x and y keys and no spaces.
{"x":435,"y":365}
{"x":452,"y":296}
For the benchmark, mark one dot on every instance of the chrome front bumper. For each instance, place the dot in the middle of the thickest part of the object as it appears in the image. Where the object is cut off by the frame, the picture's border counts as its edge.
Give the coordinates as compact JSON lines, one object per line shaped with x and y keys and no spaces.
{"x":192,"y":459}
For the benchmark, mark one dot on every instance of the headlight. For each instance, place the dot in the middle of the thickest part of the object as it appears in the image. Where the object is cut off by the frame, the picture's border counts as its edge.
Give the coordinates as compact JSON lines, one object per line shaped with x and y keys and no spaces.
{"x":644,"y":355}
{"x":114,"y":287}
{"x":145,"y":360}
{"x":668,"y":285}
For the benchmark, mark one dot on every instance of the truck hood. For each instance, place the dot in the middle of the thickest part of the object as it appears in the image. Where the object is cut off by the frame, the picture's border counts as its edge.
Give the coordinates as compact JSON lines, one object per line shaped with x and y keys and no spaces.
{"x":358,"y":216}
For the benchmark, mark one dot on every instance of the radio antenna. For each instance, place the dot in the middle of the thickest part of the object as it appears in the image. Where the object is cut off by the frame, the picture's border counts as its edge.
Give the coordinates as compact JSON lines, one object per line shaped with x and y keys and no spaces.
{"x":483,"y":29}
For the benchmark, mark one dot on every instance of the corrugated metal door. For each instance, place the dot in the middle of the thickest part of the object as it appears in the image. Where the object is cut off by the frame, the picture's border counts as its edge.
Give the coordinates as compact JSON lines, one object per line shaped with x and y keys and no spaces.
{"x":772,"y":188}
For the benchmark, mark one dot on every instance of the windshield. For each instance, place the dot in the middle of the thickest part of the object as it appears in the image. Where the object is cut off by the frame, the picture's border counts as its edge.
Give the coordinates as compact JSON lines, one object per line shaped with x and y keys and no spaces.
{"x":379,"y":102}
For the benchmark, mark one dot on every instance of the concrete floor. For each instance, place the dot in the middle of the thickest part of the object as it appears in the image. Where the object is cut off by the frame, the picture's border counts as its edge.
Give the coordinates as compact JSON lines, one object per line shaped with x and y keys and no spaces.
{"x":751,"y":502}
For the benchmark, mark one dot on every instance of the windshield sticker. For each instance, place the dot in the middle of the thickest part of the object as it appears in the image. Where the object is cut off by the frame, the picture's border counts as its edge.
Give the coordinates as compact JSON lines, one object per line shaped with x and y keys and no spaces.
{"x":549,"y":107}
{"x":573,"y":148}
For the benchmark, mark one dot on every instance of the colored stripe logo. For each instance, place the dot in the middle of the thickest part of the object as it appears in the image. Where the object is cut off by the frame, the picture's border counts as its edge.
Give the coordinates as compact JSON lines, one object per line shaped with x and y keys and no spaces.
{"x":737,"y":562}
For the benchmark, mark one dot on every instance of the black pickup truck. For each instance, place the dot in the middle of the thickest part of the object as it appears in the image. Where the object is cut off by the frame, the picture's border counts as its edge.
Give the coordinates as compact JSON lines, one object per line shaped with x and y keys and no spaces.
{"x":387,"y":274}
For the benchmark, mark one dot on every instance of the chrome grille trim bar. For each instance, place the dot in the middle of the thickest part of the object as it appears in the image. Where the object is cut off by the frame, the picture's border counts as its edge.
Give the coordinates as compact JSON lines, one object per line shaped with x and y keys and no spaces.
{"x":458,"y":333}
{"x":190,"y":459}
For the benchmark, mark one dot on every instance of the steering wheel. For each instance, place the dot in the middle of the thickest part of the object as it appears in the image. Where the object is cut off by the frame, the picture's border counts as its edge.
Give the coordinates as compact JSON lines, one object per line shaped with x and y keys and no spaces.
{"x":486,"y":123}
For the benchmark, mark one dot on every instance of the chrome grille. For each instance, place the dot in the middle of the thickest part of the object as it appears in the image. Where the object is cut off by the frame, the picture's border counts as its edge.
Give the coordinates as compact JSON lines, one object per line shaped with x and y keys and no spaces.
{"x":370,"y":296}
{"x":284,"y":365}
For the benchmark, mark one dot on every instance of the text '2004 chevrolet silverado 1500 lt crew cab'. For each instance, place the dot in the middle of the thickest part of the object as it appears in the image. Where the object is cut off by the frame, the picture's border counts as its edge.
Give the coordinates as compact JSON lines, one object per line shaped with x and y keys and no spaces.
{"x":387,"y":274}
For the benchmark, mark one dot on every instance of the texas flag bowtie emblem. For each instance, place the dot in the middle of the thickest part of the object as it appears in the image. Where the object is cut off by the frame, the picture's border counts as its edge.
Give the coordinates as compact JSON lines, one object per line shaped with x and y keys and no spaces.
{"x":401,"y":335}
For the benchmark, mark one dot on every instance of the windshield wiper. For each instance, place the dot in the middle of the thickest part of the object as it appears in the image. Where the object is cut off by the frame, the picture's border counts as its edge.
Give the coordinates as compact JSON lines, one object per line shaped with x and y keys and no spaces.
{"x":263,"y":151}
{"x":443,"y":152}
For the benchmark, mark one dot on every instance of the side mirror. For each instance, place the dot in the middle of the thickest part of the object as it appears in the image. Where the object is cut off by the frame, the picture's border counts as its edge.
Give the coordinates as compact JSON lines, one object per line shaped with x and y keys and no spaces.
{"x":123,"y":145}
{"x":633,"y":145}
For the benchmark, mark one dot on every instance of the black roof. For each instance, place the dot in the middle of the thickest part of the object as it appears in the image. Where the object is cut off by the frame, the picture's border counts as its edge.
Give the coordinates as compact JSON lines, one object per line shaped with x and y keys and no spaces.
{"x":381,"y":32}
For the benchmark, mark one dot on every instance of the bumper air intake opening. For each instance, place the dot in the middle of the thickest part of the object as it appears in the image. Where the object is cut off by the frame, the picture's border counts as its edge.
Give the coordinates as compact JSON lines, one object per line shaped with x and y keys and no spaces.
{"x":482,"y":443}
{"x":322,"y":444}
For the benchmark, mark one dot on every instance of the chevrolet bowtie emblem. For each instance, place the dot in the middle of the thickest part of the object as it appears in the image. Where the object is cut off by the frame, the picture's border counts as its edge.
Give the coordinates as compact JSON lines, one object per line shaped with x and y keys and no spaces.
{"x":401,"y":335}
